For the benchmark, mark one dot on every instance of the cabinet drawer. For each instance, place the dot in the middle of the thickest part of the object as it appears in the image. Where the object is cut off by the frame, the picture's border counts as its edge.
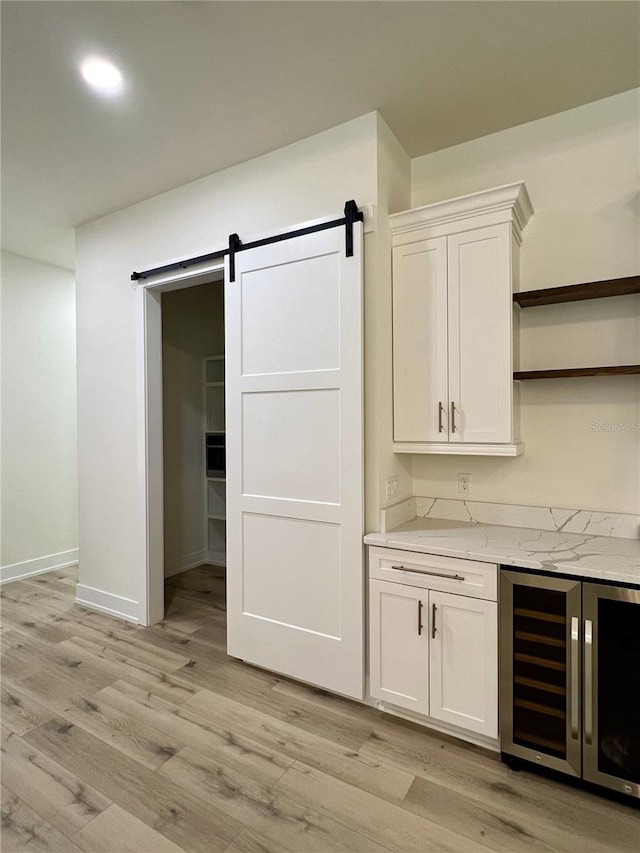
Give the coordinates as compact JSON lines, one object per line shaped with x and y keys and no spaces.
{"x":447,"y":574}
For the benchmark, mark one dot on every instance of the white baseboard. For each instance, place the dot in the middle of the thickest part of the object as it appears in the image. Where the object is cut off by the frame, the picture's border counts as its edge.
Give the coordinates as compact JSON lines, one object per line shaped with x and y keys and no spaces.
{"x":216,"y":558}
{"x":107,"y":602}
{"x":186,"y":562}
{"x":28,"y":568}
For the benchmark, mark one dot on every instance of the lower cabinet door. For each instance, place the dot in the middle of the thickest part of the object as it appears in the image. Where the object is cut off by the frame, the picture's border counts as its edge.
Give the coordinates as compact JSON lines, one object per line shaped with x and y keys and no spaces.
{"x":464,"y":662}
{"x":399,"y":645}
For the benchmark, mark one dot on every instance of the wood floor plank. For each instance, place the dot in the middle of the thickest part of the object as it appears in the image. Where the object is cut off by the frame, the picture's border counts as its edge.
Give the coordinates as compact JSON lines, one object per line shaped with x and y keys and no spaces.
{"x":213,"y":632}
{"x":249,"y":842}
{"x":209,"y":595}
{"x":22,"y":656}
{"x":57,"y":795}
{"x":474,"y":772}
{"x":21,"y":713}
{"x":278,"y":820}
{"x":41,"y":604}
{"x":179,"y":722}
{"x":316,"y":748}
{"x":262,"y":764}
{"x":380,"y":821}
{"x":122,"y":731}
{"x":117,"y":831}
{"x":132,"y":646}
{"x":152,"y":798}
{"x":235,"y":784}
{"x":329,"y":701}
{"x":24,"y":830}
{"x":167,"y":684}
{"x":201,"y":578}
{"x":56,"y":687}
{"x":242,"y":684}
{"x":517,"y":829}
{"x":55,"y":585}
{"x":230,"y":727}
{"x":185,"y":615}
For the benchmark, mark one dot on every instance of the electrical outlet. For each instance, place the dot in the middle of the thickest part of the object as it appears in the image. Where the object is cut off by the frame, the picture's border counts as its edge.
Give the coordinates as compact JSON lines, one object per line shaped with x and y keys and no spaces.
{"x":464,"y":483}
{"x":392,"y":487}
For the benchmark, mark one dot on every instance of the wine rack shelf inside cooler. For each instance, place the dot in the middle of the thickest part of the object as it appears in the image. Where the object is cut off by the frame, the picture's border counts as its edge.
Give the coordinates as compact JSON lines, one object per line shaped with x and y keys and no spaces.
{"x":539,"y":669}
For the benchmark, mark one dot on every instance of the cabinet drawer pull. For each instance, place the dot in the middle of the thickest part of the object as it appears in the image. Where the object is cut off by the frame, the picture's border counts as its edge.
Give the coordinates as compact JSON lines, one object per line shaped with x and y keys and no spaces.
{"x":432,"y":574}
{"x":433,"y":621}
{"x":440,"y":412}
{"x":419,"y":617}
{"x":453,"y":417}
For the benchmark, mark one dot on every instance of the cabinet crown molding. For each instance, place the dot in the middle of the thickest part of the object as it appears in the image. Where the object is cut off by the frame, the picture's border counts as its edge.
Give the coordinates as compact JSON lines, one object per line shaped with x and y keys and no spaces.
{"x":506,"y":204}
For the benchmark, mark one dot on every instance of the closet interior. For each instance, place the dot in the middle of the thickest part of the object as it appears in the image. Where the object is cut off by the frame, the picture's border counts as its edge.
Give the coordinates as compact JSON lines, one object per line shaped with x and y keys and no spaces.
{"x":193,"y":379}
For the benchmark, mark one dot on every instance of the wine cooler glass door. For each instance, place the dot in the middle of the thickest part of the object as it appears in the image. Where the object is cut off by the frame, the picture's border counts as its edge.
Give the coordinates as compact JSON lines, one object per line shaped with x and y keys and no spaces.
{"x":540,"y":670}
{"x":611,"y":736}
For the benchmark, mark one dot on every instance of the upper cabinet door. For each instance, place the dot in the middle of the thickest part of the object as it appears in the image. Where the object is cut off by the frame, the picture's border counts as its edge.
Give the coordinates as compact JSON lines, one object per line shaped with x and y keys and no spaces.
{"x":453,"y":268}
{"x":294,"y":460}
{"x":420,"y":341}
{"x":480,"y":362}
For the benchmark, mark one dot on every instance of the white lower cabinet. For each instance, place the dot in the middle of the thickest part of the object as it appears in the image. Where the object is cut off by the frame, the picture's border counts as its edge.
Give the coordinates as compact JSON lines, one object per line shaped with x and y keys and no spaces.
{"x":434,"y":653}
{"x":399,"y":647}
{"x":463,"y":663}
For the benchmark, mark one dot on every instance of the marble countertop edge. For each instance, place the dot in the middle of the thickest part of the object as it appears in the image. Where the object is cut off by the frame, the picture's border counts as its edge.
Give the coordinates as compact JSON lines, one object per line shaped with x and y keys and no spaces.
{"x":583,"y":555}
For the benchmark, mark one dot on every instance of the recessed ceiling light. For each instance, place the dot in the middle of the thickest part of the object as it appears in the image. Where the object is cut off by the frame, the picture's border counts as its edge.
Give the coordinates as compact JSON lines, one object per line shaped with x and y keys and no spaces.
{"x":101,"y":75}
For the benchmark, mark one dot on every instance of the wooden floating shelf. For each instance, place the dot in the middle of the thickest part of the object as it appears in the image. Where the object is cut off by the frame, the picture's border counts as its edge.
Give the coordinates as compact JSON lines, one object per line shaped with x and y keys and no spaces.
{"x":577,"y":292}
{"x":570,"y":372}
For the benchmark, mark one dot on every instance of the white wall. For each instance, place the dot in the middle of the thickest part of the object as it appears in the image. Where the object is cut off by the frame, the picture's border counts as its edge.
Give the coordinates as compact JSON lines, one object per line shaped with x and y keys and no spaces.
{"x":394,"y":193}
{"x":581,"y":170}
{"x":39,"y":471}
{"x":192,"y":328}
{"x":310,"y":179}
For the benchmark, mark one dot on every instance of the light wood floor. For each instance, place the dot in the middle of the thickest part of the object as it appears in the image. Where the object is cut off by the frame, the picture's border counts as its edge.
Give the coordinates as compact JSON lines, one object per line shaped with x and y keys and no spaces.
{"x":117,"y":739}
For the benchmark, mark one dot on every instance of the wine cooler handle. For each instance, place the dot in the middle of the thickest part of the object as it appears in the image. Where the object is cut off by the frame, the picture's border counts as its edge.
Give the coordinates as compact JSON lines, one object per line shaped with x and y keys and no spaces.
{"x":588,"y":681}
{"x":575,"y":670}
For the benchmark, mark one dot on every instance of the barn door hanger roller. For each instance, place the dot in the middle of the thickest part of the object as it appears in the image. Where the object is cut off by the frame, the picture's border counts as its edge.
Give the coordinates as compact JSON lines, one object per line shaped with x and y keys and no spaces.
{"x":351,"y":215}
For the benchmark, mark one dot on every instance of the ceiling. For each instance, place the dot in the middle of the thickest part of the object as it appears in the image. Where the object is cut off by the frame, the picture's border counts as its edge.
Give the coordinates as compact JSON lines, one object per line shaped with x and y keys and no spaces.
{"x":211,"y":84}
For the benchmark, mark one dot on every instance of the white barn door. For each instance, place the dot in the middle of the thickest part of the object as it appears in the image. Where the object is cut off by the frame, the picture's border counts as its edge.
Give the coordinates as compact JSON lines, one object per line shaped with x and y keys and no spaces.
{"x":293,"y":320}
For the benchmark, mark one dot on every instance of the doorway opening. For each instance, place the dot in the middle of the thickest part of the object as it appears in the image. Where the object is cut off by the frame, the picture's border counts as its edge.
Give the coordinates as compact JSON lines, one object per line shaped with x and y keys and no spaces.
{"x":181,"y":373}
{"x":194,"y":459}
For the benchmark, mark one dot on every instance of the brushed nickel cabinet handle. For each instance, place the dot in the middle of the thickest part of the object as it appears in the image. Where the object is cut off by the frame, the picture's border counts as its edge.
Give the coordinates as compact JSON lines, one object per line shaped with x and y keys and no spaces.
{"x":453,"y":417}
{"x":433,"y":621}
{"x":588,"y":681}
{"x":431,"y":574}
{"x":440,"y":413}
{"x":575,"y":669}
{"x":419,"y":617}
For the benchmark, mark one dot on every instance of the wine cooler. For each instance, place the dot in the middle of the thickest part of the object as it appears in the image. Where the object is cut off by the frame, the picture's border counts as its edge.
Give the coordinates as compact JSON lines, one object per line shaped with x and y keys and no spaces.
{"x":570,"y":677}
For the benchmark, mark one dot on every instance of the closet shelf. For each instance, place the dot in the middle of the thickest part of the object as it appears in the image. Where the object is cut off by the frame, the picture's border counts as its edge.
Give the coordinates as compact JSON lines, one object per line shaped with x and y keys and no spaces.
{"x":571,"y":372}
{"x":577,"y":292}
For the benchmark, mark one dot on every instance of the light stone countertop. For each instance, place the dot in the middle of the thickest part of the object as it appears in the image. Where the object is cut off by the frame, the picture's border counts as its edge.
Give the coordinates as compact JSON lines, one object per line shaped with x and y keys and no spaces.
{"x":583,"y":555}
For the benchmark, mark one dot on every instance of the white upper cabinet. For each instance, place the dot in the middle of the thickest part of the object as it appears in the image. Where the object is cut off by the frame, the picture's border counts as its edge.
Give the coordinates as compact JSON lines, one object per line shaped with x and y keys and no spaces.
{"x":454,"y":265}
